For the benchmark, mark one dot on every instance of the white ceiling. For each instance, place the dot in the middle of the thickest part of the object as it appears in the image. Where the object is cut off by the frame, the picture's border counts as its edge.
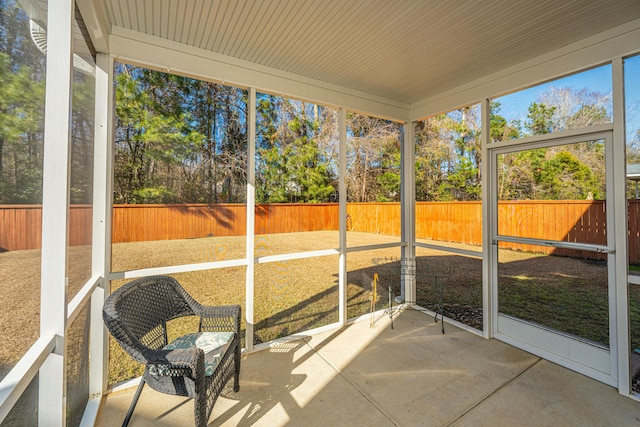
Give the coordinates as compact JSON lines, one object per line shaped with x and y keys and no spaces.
{"x":401,"y":50}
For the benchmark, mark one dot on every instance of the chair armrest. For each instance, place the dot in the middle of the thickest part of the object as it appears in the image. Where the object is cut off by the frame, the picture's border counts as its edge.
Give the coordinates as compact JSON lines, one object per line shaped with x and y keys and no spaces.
{"x":224,"y":318}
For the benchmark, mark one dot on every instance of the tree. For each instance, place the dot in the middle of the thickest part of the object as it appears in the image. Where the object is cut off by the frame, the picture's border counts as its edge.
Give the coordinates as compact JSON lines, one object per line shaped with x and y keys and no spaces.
{"x":433,"y":157}
{"x":553,"y":173}
{"x":373,"y":147}
{"x":539,"y":119}
{"x":388,"y":180}
{"x":291,"y":167}
{"x":580,"y":166}
{"x":148,"y":143}
{"x":82,"y":131}
{"x":448,"y":156}
{"x":576,"y":108}
{"x":565,"y":177}
{"x":500,"y":129}
{"x":178,"y":139}
{"x":462,"y":183}
{"x":218,"y":162}
{"x":22,"y":75}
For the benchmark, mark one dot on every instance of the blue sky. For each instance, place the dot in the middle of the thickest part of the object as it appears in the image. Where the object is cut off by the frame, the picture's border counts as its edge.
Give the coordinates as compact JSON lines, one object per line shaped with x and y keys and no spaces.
{"x":515,"y":106}
{"x":632,"y":95}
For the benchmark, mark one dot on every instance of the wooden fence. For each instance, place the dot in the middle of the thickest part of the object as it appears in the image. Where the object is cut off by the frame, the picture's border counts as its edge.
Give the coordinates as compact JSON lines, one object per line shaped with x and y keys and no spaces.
{"x":573,"y":221}
{"x":135,"y":223}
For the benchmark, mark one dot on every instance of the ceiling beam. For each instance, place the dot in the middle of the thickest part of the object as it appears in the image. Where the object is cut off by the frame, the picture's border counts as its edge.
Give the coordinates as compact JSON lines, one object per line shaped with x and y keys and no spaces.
{"x":95,"y":18}
{"x":169,"y":56}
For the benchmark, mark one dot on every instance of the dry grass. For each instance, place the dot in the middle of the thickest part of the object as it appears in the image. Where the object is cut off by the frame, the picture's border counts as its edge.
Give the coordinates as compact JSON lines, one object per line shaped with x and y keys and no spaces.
{"x":290,"y":296}
{"x":20,"y":301}
{"x":20,"y":327}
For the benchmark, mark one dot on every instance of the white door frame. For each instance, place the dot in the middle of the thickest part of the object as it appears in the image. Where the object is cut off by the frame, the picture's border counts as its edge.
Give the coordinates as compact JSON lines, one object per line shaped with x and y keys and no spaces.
{"x":591,"y":360}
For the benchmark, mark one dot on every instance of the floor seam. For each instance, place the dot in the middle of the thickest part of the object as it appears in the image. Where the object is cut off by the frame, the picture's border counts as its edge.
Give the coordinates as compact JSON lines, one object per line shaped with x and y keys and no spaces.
{"x":355,"y":387}
{"x":484,"y":399}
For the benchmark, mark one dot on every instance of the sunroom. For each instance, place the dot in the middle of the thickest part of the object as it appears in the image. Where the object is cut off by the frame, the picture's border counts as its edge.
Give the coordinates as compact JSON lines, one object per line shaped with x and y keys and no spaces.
{"x":321,"y":164}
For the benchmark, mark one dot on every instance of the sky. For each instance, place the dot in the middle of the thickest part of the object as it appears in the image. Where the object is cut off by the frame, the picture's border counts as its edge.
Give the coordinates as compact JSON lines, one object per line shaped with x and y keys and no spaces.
{"x":632,"y":95}
{"x":514,"y":106}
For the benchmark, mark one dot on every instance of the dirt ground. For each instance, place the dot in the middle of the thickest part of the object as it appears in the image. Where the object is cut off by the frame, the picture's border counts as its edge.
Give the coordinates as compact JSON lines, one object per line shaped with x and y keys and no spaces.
{"x":290,"y":296}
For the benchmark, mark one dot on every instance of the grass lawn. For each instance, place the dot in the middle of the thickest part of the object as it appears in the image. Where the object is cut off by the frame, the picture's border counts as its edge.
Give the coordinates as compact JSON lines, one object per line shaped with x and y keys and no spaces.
{"x":294,"y":296}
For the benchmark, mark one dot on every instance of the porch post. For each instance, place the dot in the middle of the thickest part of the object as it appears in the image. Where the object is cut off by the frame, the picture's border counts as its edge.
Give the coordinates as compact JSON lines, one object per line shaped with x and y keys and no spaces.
{"x":251,"y":212}
{"x":488,"y":250}
{"x":622,"y":350}
{"x":55,"y":209}
{"x":408,"y":206}
{"x":342,"y":190}
{"x":102,"y":211}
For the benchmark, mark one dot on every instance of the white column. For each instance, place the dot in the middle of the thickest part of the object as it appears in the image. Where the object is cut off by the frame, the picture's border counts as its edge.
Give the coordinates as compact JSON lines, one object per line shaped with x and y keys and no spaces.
{"x":488,"y":250}
{"x":102,"y":210}
{"x":55,"y":208}
{"x":251,"y":214}
{"x":408,"y":206}
{"x":622,"y":350}
{"x":342,"y":190}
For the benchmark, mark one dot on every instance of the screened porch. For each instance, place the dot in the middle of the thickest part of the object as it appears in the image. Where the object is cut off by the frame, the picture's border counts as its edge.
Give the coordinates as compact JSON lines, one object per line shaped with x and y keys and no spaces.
{"x":461,"y":171}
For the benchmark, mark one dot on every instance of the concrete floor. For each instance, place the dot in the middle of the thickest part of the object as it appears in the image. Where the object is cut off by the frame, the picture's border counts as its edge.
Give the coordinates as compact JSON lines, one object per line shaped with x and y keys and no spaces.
{"x":412,"y":375}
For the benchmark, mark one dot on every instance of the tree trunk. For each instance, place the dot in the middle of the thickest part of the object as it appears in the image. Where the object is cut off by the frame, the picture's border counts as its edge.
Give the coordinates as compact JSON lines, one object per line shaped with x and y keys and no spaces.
{"x":1,"y":159}
{"x":214,"y":148}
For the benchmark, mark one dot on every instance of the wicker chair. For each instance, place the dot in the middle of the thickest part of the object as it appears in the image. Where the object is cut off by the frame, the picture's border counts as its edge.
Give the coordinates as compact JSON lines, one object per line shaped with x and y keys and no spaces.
{"x":137,"y":314}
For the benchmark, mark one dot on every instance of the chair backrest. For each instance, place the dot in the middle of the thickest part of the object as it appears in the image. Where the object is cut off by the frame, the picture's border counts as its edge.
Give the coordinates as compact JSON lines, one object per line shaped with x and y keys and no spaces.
{"x":136,"y":314}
